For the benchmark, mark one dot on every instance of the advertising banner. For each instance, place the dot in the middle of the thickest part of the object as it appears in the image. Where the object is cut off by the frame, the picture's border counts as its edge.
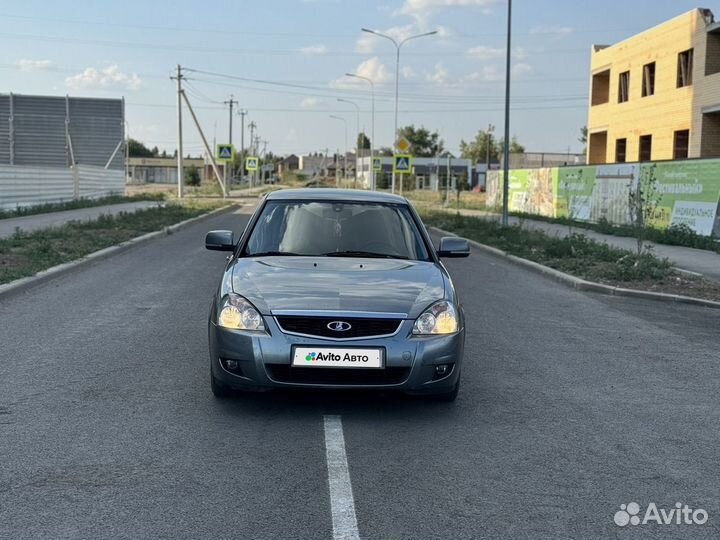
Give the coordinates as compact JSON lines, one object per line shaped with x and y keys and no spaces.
{"x":690,"y":193}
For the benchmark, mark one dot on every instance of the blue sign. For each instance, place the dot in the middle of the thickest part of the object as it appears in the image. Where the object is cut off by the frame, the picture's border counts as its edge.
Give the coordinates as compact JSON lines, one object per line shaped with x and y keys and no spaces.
{"x":402,"y":163}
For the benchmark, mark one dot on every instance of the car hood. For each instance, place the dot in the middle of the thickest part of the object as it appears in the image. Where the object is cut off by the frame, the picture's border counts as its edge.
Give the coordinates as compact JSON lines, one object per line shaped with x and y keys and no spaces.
{"x":273,"y":284}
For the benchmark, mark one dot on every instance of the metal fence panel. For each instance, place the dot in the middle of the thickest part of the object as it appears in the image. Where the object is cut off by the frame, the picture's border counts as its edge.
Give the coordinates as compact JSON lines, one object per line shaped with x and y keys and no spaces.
{"x":4,"y":129}
{"x":99,"y":182}
{"x":28,"y":186}
{"x":34,"y":131}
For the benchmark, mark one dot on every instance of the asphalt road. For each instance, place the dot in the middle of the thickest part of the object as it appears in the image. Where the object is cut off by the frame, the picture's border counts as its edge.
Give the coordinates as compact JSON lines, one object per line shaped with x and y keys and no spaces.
{"x":572,"y":404}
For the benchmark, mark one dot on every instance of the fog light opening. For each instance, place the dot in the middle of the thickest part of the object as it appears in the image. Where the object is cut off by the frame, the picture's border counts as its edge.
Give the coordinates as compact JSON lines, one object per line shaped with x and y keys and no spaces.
{"x":231,"y":365}
{"x":442,"y":371}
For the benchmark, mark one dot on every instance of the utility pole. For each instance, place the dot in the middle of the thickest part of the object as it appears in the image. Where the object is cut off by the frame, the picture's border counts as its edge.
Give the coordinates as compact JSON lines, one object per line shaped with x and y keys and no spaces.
{"x":230,"y":103}
{"x":253,"y":125}
{"x":447,"y":182}
{"x":229,"y":164}
{"x":242,"y":114}
{"x":488,"y":143}
{"x":506,"y":152}
{"x":205,"y":143}
{"x":179,"y":77}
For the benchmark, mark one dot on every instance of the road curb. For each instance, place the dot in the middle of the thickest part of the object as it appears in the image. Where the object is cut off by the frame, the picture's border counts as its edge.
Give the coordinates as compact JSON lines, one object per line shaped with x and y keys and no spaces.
{"x":582,"y":284}
{"x":20,"y":285}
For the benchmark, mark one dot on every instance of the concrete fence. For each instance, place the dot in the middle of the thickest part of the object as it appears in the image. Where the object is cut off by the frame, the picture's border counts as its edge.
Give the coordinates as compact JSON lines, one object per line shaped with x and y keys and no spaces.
{"x":28,"y":186}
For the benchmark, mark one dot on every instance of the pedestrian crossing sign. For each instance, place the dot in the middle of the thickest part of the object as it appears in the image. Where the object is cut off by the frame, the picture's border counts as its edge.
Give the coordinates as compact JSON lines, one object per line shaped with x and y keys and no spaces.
{"x":251,"y":163}
{"x":377,"y":164}
{"x":225,"y":152}
{"x":402,"y":163}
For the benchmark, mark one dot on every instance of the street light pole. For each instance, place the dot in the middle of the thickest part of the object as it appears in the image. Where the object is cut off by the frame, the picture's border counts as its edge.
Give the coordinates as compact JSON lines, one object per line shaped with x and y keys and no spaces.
{"x":372,"y":126}
{"x":357,"y":137}
{"x":506,"y":150}
{"x":346,"y":146}
{"x":398,"y":45}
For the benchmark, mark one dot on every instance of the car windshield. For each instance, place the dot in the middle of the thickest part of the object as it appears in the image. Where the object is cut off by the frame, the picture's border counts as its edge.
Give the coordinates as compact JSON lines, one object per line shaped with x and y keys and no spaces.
{"x":331,"y":228}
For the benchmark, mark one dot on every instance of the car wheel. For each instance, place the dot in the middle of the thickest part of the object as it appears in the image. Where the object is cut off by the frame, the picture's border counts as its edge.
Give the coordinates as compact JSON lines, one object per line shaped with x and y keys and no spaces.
{"x":449,"y":397}
{"x":219,"y":390}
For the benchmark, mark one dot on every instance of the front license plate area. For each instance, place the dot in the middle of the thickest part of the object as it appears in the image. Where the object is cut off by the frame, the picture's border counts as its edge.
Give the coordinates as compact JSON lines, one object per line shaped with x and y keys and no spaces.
{"x":337,"y":357}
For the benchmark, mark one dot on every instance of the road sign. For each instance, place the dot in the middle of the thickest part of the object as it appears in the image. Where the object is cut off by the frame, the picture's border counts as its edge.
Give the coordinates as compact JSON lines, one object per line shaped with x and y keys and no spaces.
{"x":402,"y":163}
{"x":403,"y":145}
{"x":377,"y":164}
{"x":225,"y":152}
{"x":251,"y":163}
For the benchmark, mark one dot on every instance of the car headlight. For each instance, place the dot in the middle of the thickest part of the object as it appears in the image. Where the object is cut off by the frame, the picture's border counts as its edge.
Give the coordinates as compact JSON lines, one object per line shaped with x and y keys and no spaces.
{"x":440,"y":318}
{"x":237,"y":313}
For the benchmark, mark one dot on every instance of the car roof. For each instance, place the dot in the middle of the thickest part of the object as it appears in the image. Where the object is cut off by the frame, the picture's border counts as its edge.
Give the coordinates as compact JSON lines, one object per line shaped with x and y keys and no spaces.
{"x":333,"y":194}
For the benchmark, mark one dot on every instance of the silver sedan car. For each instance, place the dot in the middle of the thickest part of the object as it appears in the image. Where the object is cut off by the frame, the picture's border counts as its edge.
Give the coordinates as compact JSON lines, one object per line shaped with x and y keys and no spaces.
{"x":332,"y":288}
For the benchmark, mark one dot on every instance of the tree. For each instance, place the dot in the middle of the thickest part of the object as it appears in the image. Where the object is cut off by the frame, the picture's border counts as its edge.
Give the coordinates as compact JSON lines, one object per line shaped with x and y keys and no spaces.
{"x":424,"y":143}
{"x":363,"y":143}
{"x":515,"y":146}
{"x":192,"y":176}
{"x":477,"y":150}
{"x":138,"y":149}
{"x":643,"y":201}
{"x":385,"y":151}
{"x":583,"y":138}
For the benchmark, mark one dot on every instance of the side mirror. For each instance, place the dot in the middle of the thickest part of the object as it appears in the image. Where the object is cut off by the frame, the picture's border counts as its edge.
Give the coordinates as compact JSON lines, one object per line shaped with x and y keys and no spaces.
{"x":220,"y":241}
{"x":453,"y":246}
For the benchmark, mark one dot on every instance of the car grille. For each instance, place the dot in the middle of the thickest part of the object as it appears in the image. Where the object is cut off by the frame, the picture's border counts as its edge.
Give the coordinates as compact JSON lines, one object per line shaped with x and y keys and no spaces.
{"x":318,"y":326}
{"x":345,"y":376}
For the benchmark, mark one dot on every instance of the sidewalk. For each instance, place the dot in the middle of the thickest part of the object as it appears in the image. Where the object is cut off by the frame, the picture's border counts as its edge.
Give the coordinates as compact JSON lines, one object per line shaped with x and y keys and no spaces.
{"x":55,"y":219}
{"x":702,"y":261}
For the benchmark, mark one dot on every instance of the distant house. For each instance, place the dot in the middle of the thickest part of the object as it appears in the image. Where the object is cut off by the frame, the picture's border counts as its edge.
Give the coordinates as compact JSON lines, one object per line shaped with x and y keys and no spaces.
{"x":289,"y":163}
{"x":159,"y":170}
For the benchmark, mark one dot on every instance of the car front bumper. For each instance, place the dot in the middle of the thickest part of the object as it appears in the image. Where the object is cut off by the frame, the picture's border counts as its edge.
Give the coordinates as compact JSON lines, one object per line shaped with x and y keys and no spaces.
{"x":264,"y":361}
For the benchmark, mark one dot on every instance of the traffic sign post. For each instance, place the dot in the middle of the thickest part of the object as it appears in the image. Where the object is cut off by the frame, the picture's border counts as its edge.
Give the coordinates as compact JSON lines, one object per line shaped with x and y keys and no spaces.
{"x":251,"y":163}
{"x":225,"y":153}
{"x":377,"y":164}
{"x":403,"y":145}
{"x":402,"y":163}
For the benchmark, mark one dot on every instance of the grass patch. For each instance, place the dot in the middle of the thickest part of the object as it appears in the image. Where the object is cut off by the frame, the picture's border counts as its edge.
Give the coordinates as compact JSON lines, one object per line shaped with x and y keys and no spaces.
{"x":26,"y":253}
{"x":577,"y":255}
{"x":79,"y":203}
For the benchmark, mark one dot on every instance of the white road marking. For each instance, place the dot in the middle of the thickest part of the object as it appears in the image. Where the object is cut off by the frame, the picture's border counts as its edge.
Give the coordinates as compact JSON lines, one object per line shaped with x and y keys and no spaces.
{"x":342,"y":503}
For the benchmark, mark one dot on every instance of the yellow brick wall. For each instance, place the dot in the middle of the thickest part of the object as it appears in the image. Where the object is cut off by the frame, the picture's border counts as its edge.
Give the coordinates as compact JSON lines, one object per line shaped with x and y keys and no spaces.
{"x":670,"y":109}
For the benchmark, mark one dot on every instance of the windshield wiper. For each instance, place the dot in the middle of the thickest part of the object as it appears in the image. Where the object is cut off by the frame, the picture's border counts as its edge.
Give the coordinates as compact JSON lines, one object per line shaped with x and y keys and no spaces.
{"x":275,"y":254}
{"x":358,"y":253}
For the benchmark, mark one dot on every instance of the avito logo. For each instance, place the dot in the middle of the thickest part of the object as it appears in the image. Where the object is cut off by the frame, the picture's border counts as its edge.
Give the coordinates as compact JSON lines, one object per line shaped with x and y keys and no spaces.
{"x":629,"y":514}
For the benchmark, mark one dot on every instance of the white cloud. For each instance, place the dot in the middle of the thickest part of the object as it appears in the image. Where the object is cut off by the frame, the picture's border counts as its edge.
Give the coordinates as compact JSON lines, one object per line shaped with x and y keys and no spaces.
{"x":551,"y":29}
{"x":309,"y":103}
{"x":521,"y":69}
{"x":482,"y":52}
{"x":26,"y":64}
{"x":407,"y":72}
{"x":372,"y":68}
{"x":105,"y":78}
{"x":314,"y":49}
{"x":495,"y":73}
{"x":438,"y":76}
{"x":421,"y":9}
{"x":367,"y":42}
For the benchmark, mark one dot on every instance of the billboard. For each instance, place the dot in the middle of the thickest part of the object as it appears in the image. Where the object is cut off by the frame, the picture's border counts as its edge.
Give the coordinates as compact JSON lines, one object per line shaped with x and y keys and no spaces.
{"x":687,"y":191}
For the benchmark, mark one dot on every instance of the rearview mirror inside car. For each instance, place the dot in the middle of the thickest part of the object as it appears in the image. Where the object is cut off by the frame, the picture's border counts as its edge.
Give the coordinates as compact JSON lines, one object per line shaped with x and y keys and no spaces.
{"x":453,"y":246}
{"x":220,"y":241}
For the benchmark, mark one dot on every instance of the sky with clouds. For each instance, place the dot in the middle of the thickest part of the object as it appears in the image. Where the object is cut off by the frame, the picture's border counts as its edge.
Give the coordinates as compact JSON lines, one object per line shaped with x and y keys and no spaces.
{"x":285,"y":62}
